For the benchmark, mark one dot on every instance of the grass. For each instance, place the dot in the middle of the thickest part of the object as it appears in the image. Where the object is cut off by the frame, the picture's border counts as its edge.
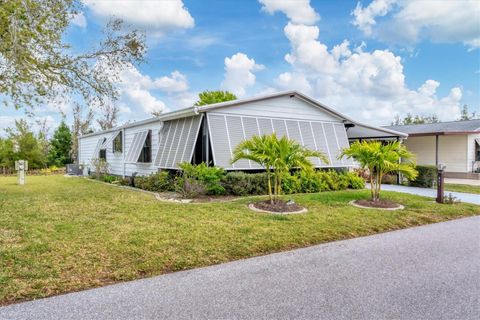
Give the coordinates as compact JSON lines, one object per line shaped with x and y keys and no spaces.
{"x":462,"y":188}
{"x":62,"y":234}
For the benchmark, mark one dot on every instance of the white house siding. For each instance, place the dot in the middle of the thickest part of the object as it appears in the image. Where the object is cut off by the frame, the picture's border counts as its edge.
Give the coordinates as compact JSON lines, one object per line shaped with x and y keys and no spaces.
{"x":471,"y":163}
{"x":141,"y":168}
{"x":452,"y":151}
{"x":281,"y":107}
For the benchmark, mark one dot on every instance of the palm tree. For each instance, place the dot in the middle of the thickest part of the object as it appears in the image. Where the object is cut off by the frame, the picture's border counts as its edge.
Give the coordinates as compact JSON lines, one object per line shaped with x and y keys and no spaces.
{"x":380,"y":159}
{"x":277,"y":156}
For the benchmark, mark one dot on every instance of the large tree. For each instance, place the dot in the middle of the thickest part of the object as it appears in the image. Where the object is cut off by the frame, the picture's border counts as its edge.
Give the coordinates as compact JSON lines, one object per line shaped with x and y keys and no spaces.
{"x":26,"y":145}
{"x":211,"y":97}
{"x":37,"y":65}
{"x":60,"y":146}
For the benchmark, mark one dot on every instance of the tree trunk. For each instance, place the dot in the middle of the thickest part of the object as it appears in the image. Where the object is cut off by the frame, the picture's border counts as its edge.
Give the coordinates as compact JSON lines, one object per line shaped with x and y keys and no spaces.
{"x":372,"y":185}
{"x":269,"y":187}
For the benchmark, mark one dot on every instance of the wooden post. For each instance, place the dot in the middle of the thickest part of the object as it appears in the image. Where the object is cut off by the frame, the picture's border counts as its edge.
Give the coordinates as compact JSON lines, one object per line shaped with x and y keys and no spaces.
{"x":440,"y":183}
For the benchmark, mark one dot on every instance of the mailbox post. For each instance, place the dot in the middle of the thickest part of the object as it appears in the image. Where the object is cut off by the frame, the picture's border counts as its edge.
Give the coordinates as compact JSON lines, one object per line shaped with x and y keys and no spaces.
{"x":21,"y":166}
{"x":440,"y":182}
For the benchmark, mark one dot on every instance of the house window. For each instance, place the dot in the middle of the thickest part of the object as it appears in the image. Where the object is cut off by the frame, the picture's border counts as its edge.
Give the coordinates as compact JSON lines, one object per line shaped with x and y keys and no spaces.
{"x":146,"y":154}
{"x":118,"y":143}
{"x":103,"y":154}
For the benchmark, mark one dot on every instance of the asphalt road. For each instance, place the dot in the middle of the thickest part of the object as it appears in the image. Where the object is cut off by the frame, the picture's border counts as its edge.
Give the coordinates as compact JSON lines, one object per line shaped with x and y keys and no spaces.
{"x":429,"y":272}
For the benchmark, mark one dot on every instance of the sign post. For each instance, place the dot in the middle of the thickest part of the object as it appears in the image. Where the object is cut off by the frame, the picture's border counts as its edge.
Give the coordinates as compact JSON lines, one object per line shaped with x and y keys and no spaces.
{"x":440,"y":182}
{"x":21,"y":166}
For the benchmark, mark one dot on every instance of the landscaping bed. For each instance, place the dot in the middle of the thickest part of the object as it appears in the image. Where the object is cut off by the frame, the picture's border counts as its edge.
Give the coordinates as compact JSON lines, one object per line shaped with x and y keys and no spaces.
{"x":280,"y":206}
{"x":380,"y":204}
{"x":59,"y":235}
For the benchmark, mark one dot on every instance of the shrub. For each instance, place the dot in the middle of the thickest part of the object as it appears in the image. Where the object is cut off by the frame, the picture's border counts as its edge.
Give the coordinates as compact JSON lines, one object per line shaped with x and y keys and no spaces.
{"x":426,"y":178}
{"x":291,"y":184}
{"x":355,"y":181}
{"x":109,"y":178}
{"x":209,"y":177}
{"x":389,"y":179}
{"x":100,"y":166}
{"x":156,"y":182}
{"x":242,"y":184}
{"x":188,"y":187}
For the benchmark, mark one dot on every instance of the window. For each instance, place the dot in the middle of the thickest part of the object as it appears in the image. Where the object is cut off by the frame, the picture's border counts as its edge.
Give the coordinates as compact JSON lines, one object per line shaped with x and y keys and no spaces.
{"x":118,"y":143}
{"x":146,"y":154}
{"x":477,"y":150}
{"x":102,"y":154}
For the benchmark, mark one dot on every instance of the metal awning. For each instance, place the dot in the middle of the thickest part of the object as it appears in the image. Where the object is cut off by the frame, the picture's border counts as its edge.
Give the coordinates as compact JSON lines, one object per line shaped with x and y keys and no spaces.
{"x":363,"y":131}
{"x":98,"y":147}
{"x":136,"y":146}
{"x":177,"y":140}
{"x":227,"y":131}
{"x":108,"y":144}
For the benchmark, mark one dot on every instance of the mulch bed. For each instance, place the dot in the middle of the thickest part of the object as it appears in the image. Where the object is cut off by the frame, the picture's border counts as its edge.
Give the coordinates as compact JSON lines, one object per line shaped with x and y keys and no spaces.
{"x":384,"y":204}
{"x":280,"y":206}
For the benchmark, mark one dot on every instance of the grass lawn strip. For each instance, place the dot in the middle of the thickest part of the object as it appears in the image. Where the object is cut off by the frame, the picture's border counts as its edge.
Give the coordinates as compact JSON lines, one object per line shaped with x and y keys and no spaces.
{"x":462,"y":188}
{"x":59,"y":235}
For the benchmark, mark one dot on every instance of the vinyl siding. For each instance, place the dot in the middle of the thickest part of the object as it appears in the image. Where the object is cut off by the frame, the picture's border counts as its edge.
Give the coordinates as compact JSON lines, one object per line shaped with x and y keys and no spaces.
{"x":471,"y":163}
{"x":452,"y":151}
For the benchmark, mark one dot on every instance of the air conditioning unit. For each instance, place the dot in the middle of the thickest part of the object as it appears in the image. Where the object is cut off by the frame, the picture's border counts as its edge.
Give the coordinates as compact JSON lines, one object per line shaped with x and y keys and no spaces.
{"x":74,"y":169}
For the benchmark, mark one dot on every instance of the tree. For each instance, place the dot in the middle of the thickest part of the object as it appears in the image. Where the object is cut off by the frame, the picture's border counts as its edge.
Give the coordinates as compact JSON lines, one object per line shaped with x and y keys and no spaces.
{"x":60,"y":146}
{"x":82,"y":123}
{"x":210,"y":97}
{"x":466,"y":115}
{"x":410,"y":119}
{"x":380,"y":159}
{"x":109,"y":116}
{"x":38,"y":66}
{"x":26,"y":145}
{"x":278,"y":157}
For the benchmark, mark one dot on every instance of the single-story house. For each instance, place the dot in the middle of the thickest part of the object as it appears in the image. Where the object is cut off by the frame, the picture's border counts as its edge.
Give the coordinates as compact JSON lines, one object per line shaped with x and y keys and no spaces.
{"x":210,"y":133}
{"x":455,"y":144}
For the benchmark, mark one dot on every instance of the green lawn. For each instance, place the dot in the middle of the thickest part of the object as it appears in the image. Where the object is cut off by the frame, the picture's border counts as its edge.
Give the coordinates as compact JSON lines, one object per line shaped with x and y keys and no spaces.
{"x":62,"y":234}
{"x":462,"y":188}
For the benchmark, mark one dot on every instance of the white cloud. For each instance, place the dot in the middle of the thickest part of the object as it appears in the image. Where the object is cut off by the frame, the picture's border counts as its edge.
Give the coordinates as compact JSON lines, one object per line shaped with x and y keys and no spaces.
{"x":175,"y":83}
{"x":79,"y":20}
{"x":368,"y":85}
{"x":239,"y":73}
{"x":298,"y":11}
{"x":157,"y":17}
{"x":409,"y":21}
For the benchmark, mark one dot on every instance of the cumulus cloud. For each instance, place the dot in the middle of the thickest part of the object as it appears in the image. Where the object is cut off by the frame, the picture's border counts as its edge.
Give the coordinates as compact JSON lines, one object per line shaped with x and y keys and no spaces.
{"x":157,"y":17}
{"x":409,"y":21}
{"x":239,"y":73}
{"x":79,"y":20}
{"x":298,"y":11}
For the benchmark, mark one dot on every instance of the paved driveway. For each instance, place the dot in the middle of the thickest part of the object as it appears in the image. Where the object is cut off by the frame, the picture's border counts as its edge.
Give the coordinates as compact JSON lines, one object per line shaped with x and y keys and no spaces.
{"x":429,"y":272}
{"x":464,"y":197}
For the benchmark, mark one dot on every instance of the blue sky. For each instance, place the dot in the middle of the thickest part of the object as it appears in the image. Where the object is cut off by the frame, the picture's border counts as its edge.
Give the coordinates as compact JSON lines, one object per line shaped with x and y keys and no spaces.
{"x":398,"y":56}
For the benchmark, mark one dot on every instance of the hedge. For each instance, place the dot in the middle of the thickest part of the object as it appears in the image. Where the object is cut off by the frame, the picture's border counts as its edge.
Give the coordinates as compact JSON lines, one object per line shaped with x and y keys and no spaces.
{"x":427,"y":175}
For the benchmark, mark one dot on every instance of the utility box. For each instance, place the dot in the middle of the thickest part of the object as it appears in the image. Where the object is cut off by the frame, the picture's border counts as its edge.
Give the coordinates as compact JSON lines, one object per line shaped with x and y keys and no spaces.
{"x":74,"y":169}
{"x":21,"y":166}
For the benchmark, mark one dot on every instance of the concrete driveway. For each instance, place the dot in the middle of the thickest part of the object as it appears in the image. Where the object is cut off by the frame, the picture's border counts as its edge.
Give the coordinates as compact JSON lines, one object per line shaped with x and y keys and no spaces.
{"x":429,"y":272}
{"x":432,"y":193}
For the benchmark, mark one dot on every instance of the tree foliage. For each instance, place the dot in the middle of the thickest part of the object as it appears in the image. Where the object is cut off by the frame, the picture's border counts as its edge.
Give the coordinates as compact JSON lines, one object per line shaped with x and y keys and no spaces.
{"x":278,"y":157}
{"x":466,"y":115}
{"x":410,"y":119}
{"x":211,"y":97}
{"x":60,"y":146}
{"x":38,"y":66}
{"x":381,"y":158}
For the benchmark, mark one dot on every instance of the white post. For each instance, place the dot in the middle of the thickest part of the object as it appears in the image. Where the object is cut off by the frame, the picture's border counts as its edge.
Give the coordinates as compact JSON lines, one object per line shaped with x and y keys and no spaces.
{"x":21,"y":166}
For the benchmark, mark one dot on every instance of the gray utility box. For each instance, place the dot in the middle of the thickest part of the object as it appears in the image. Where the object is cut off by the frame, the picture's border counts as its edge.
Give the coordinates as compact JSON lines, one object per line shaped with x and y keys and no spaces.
{"x":74,"y":169}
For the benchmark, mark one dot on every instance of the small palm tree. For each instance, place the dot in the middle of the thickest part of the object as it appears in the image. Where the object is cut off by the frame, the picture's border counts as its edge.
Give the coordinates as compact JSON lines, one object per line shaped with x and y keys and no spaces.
{"x":277,"y":156}
{"x":380,"y":159}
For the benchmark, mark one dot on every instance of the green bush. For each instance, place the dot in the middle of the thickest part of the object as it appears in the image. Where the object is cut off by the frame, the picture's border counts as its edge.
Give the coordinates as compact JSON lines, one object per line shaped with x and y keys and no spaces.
{"x":243,"y":184}
{"x":209,"y":177}
{"x":355,"y":181}
{"x":156,"y":182}
{"x":291,"y":184}
{"x":109,"y":178}
{"x":426,"y":178}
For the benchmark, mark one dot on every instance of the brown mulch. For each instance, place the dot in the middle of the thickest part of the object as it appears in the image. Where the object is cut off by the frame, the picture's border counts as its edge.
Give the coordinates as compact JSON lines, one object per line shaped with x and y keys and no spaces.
{"x":385,"y":204}
{"x":280,"y":206}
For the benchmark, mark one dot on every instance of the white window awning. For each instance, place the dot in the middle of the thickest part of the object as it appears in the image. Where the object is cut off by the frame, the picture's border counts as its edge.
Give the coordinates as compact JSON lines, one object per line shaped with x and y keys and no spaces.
{"x":98,"y":147}
{"x":136,"y":146}
{"x":227,"y":131}
{"x":177,"y":140}
{"x":109,"y":142}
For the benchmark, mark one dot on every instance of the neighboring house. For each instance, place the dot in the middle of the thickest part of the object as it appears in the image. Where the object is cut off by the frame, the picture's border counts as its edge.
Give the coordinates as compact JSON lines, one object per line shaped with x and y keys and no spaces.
{"x":455,"y":144}
{"x":210,"y":133}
